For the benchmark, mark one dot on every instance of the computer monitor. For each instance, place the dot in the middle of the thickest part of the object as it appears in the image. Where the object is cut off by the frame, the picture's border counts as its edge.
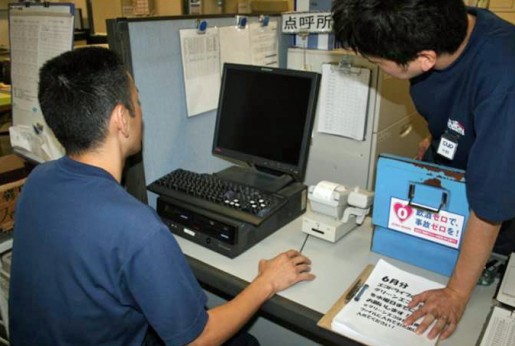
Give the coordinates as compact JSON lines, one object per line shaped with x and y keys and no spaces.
{"x":265,"y":118}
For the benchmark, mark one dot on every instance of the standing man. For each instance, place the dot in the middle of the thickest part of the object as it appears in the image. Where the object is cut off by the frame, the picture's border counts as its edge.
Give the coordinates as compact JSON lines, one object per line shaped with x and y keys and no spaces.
{"x":91,"y":264}
{"x":461,"y":65}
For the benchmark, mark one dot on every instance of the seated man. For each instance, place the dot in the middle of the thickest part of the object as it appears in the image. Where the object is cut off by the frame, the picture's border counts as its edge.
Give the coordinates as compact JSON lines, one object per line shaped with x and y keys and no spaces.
{"x":91,"y":264}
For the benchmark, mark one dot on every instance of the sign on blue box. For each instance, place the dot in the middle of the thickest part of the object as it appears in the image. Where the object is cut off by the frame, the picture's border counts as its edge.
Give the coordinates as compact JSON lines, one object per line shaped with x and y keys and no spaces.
{"x":420,"y":213}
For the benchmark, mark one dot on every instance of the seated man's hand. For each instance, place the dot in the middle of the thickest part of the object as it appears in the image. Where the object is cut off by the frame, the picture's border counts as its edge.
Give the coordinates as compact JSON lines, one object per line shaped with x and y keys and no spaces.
{"x":445,"y":306}
{"x":285,"y":270}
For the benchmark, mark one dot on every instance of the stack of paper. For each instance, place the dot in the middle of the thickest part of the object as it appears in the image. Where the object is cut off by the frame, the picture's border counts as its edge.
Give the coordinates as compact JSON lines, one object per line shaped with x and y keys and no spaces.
{"x":501,"y":328}
{"x":375,"y":315}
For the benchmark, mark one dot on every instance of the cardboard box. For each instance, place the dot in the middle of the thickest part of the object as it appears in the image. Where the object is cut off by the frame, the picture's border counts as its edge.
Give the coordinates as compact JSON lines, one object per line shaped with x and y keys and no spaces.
{"x":420,"y":213}
{"x":8,"y":195}
{"x":13,"y":171}
{"x":12,"y":168}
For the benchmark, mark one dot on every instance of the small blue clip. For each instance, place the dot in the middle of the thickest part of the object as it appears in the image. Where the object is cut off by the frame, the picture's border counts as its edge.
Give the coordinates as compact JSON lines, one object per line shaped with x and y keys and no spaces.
{"x":264,"y":20}
{"x":201,"y":26}
{"x":241,"y":22}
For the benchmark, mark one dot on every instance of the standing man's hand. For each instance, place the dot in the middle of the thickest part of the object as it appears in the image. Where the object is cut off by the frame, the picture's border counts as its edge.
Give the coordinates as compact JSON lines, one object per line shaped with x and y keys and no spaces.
{"x":445,"y":306}
{"x":285,"y":270}
{"x":423,"y":146}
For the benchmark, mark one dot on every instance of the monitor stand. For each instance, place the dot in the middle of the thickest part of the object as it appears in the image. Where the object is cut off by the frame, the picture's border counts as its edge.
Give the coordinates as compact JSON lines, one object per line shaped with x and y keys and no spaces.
{"x":255,"y":178}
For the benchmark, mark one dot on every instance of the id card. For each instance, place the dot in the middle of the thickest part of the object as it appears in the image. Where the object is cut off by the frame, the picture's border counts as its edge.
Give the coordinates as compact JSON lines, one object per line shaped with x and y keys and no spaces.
{"x":448,"y":146}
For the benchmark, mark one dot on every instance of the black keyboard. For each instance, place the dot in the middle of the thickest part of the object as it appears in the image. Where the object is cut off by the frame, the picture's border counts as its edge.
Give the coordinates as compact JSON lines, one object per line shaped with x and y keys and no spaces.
{"x":225,"y":197}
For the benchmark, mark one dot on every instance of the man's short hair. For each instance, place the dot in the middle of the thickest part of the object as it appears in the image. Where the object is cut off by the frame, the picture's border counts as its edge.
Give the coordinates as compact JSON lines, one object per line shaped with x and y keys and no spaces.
{"x":398,"y":30}
{"x":78,"y":91}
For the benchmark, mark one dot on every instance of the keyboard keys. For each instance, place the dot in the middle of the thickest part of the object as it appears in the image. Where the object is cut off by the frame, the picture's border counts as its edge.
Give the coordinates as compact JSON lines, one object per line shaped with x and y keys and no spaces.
{"x":212,"y":189}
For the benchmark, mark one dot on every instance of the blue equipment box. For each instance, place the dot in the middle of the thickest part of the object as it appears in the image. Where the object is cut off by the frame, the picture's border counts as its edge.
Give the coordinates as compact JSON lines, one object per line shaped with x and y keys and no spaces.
{"x":420,"y":212}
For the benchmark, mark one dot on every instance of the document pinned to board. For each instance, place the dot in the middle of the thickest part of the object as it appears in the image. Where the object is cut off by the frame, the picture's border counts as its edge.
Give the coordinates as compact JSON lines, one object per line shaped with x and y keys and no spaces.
{"x":201,"y":68}
{"x":373,"y":309}
{"x":254,"y":44}
{"x":343,"y":101}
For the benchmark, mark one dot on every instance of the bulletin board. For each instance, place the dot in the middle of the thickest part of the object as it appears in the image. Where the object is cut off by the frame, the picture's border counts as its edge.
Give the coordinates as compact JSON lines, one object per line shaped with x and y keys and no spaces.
{"x":151,"y":47}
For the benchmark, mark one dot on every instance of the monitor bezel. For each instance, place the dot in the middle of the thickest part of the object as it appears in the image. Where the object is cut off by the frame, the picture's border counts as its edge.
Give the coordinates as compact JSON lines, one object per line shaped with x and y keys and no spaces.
{"x":298,"y":171}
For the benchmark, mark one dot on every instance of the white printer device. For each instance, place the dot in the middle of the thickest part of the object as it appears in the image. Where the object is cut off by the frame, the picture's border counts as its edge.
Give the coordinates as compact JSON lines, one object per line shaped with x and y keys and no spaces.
{"x":335,"y":210}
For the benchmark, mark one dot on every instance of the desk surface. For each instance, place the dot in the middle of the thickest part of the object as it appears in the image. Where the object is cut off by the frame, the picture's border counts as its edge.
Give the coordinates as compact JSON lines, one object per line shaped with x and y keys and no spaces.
{"x":336,"y":267}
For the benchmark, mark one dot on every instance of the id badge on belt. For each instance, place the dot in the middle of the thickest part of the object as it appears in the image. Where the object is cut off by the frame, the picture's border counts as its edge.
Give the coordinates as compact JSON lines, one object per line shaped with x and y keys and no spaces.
{"x":448,"y":145}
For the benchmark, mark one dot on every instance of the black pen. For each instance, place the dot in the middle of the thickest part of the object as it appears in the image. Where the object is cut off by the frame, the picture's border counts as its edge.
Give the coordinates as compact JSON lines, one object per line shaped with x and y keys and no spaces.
{"x":353,"y":291}
{"x":360,"y":293}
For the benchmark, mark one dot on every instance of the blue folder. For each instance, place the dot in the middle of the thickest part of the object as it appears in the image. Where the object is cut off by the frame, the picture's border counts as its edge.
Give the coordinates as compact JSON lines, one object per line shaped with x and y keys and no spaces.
{"x":420,"y":213}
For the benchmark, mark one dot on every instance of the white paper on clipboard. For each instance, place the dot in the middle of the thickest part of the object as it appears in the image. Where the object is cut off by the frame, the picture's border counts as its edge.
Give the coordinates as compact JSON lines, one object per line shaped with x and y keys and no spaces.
{"x":343,"y":101}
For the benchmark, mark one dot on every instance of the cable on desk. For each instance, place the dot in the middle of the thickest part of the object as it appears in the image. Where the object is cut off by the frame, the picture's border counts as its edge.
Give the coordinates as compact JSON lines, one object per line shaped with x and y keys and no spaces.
{"x":305,"y":240}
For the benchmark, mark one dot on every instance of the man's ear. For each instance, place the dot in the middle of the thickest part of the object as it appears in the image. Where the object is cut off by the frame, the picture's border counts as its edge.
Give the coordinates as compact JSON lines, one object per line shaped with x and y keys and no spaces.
{"x":119,"y":120}
{"x":427,"y":59}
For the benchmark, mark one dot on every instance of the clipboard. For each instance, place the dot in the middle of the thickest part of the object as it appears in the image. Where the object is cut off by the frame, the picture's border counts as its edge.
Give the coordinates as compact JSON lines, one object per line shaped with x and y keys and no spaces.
{"x":343,"y":101}
{"x":375,"y":314}
{"x":325,"y":321}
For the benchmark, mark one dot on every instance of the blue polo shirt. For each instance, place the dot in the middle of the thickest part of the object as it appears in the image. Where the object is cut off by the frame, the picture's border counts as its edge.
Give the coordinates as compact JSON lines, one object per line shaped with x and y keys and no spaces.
{"x":92,"y":265}
{"x":473,"y":101}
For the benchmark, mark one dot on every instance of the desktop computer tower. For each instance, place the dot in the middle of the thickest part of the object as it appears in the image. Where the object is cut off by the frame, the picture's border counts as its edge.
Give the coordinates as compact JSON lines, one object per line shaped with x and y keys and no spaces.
{"x":223,"y":233}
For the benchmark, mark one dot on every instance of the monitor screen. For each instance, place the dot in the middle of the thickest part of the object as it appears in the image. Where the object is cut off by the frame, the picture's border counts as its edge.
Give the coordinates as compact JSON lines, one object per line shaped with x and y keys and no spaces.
{"x":265,"y":117}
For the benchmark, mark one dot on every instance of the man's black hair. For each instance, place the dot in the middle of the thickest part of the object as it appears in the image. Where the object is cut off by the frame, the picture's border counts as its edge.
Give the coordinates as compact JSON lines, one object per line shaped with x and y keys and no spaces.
{"x":398,"y":30}
{"x":78,"y":90}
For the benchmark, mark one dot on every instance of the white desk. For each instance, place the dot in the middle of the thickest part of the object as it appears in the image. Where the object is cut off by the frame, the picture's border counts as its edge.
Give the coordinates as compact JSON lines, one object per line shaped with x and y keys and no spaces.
{"x":336,"y":267}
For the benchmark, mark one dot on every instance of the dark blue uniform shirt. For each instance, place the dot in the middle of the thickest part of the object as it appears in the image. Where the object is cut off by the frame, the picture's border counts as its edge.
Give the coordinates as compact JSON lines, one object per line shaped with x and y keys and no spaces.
{"x":93,"y":266}
{"x":473,"y":101}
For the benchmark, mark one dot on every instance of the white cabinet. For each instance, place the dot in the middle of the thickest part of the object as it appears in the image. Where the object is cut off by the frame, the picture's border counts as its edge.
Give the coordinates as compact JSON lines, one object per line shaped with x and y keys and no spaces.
{"x":392,"y":125}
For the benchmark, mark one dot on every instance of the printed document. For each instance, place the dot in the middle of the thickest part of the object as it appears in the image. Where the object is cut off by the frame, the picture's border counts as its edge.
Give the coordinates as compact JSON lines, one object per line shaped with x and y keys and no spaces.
{"x":501,"y":328}
{"x":343,"y":101}
{"x":376,"y":313}
{"x":201,"y":68}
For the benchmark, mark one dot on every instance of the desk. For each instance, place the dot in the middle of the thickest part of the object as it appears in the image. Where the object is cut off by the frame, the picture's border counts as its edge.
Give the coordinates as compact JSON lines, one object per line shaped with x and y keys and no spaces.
{"x":336,"y":266}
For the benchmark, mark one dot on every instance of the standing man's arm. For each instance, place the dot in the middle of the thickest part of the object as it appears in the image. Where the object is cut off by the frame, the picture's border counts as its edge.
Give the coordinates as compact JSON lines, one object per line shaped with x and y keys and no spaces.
{"x":448,"y":304}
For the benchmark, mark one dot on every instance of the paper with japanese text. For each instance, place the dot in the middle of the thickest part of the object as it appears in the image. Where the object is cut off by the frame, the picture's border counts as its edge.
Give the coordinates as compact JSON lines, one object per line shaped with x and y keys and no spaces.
{"x":375,"y":315}
{"x":38,"y":32}
{"x":201,"y":69}
{"x":343,"y":101}
{"x":501,"y":328}
{"x":234,"y":45}
{"x":264,"y":44}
